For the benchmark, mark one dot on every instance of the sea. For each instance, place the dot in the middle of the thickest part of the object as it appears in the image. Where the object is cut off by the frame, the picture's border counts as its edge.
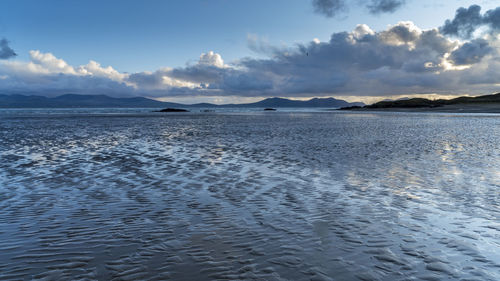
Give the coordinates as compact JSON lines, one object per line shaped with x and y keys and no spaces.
{"x":243,"y":194}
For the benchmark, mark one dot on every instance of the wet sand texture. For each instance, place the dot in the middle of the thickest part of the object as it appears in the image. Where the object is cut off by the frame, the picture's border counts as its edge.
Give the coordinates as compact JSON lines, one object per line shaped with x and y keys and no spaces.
{"x":283,"y":196}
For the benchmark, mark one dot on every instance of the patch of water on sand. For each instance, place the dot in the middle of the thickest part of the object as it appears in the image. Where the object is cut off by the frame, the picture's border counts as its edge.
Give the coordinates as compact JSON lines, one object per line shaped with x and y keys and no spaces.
{"x":299,"y":196}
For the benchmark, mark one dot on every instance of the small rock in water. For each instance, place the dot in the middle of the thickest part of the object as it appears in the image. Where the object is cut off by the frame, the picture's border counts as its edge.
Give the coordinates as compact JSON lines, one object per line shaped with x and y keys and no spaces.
{"x":172,"y":110}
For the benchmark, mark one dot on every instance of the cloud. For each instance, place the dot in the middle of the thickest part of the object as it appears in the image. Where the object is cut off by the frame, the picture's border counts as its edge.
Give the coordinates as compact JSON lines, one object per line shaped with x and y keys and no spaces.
{"x":471,"y":52}
{"x":6,"y":51}
{"x":332,"y":8}
{"x":94,"y":68}
{"x":208,"y":69}
{"x":159,"y":80}
{"x":48,"y":63}
{"x":262,"y":46}
{"x":48,"y":75}
{"x":329,"y":8}
{"x":352,"y":59}
{"x":464,"y":23}
{"x":402,"y":59}
{"x":211,"y":59}
{"x":384,"y":6}
{"x":468,"y":20}
{"x":492,"y":19}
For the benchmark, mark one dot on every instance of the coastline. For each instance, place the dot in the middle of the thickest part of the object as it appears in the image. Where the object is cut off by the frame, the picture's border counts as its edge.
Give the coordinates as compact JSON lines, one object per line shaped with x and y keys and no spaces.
{"x":452,"y":108}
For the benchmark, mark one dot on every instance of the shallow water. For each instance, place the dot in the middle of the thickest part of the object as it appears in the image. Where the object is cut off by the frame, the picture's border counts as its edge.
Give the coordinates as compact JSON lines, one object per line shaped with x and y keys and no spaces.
{"x":134,"y":195}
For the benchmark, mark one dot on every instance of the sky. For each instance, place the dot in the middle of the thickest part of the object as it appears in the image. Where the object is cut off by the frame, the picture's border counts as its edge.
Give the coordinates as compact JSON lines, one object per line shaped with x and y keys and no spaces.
{"x":240,"y":50}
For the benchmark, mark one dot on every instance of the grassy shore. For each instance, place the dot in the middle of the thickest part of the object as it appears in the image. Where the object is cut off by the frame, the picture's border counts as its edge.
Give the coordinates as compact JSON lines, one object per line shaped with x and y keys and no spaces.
{"x":480,"y":104}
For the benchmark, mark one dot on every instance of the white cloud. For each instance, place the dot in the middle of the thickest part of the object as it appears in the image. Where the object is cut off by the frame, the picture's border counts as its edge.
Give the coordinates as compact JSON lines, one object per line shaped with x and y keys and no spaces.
{"x":362,"y":30}
{"x":48,"y":63}
{"x":212,"y":59}
{"x":93,"y":68}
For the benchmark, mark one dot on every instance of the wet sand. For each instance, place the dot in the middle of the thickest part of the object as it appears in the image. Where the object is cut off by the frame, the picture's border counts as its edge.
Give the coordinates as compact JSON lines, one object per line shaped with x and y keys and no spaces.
{"x":262,"y":196}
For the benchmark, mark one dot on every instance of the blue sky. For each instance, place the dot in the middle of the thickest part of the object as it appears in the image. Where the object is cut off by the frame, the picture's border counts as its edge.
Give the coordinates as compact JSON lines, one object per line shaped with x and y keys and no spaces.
{"x":139,"y":36}
{"x":145,"y":35}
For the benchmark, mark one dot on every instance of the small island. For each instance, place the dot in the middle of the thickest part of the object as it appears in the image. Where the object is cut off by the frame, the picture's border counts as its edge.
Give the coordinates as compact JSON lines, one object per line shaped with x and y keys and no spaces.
{"x":479,"y":104}
{"x":269,"y":109}
{"x":172,"y":110}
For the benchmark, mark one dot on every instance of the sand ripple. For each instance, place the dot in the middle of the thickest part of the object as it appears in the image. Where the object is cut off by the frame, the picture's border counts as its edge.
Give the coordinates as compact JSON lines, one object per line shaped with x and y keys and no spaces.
{"x":282,"y":196}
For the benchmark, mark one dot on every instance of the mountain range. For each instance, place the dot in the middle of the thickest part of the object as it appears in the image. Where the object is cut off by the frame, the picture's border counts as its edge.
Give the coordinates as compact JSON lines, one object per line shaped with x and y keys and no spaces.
{"x":103,"y":101}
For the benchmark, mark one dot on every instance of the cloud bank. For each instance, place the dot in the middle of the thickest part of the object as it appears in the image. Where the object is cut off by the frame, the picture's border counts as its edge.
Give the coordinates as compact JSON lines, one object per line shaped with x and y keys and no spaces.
{"x":402,"y":59}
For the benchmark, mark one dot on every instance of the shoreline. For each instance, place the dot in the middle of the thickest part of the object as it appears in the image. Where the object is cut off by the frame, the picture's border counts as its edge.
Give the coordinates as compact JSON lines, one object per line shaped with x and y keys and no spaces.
{"x":452,"y":108}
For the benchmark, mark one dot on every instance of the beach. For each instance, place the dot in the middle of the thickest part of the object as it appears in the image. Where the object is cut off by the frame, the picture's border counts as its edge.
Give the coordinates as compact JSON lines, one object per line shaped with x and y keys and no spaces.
{"x":305,"y":195}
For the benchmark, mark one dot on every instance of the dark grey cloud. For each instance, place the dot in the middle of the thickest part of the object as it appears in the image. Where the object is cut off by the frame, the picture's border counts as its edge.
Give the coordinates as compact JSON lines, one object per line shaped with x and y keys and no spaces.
{"x":465,"y":22}
{"x":246,"y":82}
{"x":403,"y":33}
{"x":471,"y":52}
{"x":6,"y":51}
{"x":492,"y":19}
{"x":468,"y":20}
{"x":197,"y":73}
{"x":384,"y":6}
{"x":329,"y":8}
{"x":148,"y":80}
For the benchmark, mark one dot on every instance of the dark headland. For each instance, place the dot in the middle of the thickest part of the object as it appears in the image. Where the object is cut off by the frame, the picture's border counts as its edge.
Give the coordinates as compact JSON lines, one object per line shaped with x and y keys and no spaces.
{"x":479,"y":104}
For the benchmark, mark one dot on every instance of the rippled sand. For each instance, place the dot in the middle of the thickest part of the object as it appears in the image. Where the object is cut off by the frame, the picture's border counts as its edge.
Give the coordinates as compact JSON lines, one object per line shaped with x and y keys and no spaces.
{"x":266,"y":196}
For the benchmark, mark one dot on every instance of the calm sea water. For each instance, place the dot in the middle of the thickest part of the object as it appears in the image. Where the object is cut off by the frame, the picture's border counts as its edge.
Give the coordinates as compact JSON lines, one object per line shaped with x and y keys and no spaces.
{"x":134,"y":195}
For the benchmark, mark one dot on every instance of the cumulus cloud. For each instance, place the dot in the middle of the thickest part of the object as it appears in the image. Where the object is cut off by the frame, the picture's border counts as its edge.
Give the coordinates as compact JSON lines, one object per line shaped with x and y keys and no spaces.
{"x":211,"y":59}
{"x":208,"y":69}
{"x":94,"y":68}
{"x":6,"y":51}
{"x":158,"y":80}
{"x":401,"y":59}
{"x":468,"y":20}
{"x":492,"y":19}
{"x":48,"y":75}
{"x":464,"y":23}
{"x":352,"y":59}
{"x":48,"y":63}
{"x":471,"y":52}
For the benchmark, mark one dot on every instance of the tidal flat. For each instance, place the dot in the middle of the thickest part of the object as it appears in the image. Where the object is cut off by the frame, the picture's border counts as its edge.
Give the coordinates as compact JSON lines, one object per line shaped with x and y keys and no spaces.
{"x":93,"y":195}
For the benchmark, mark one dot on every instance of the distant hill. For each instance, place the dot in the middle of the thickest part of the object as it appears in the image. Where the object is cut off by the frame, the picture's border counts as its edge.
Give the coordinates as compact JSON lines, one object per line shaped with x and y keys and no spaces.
{"x":281,"y":102}
{"x":70,"y":100}
{"x":421,"y":102}
{"x":487,"y":103}
{"x":96,"y":101}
